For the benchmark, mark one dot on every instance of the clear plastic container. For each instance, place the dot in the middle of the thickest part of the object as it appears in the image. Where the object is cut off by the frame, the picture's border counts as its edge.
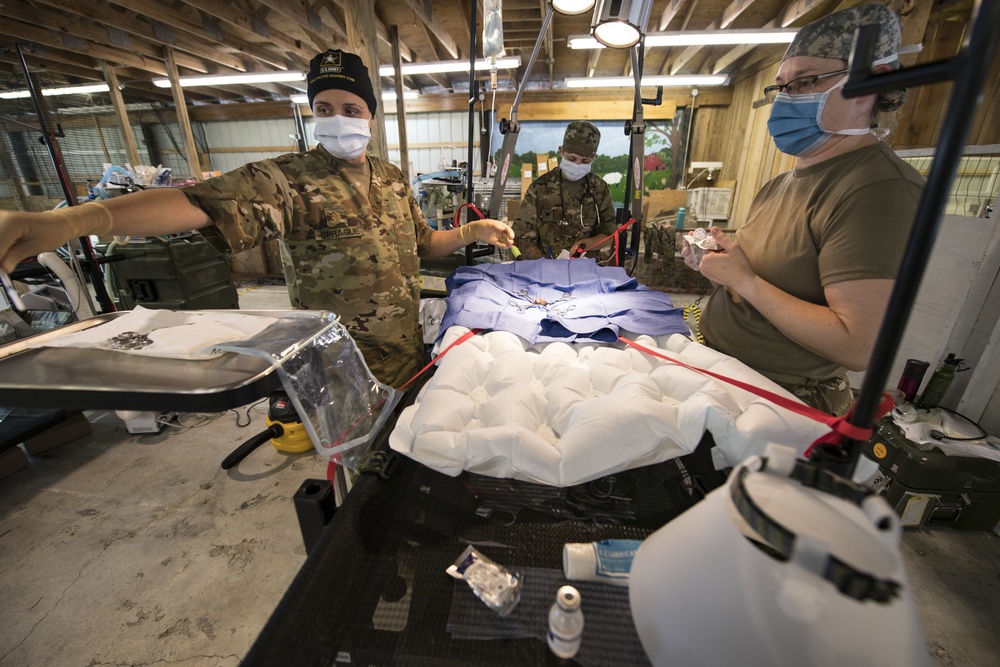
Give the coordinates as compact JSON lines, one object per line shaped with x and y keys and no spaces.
{"x":565,"y":623}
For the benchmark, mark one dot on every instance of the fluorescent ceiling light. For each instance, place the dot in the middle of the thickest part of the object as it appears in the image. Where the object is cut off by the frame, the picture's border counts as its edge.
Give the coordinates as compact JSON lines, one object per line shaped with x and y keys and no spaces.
{"x":386,"y":97}
{"x":683,"y":80}
{"x":49,"y":92}
{"x":697,"y":38}
{"x":233,"y":79}
{"x":449,"y":66}
{"x":620,"y":23}
{"x":572,"y":7}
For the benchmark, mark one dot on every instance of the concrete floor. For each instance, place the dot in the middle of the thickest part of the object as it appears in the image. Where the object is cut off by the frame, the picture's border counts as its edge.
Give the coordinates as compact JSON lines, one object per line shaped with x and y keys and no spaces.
{"x":120,"y":549}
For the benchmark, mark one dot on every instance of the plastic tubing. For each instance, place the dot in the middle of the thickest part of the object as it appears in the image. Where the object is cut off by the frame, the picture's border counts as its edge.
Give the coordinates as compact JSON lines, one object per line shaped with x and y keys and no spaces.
{"x":70,"y":283}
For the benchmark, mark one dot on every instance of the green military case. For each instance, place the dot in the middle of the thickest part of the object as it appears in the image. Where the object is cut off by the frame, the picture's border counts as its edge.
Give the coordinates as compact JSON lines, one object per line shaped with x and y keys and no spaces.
{"x":930,"y":488}
{"x":182,"y":273}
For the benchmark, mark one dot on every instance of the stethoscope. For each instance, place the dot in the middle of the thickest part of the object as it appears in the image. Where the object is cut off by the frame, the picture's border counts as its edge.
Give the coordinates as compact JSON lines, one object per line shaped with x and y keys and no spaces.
{"x":564,"y":223}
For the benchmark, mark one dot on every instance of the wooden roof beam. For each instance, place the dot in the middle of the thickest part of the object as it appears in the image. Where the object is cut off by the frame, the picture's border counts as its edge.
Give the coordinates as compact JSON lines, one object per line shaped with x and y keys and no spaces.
{"x":209,"y":30}
{"x":311,"y":22}
{"x":66,"y":42}
{"x":425,"y":13}
{"x":76,"y":31}
{"x":669,"y":12}
{"x":139,"y":26}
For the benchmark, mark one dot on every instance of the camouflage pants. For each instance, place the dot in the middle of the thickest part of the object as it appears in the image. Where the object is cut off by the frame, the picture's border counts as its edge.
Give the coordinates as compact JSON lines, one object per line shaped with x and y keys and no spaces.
{"x":833,"y":395}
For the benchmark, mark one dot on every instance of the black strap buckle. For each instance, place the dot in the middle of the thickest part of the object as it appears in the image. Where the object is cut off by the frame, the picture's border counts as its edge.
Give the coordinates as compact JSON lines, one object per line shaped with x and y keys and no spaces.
{"x":379,"y":463}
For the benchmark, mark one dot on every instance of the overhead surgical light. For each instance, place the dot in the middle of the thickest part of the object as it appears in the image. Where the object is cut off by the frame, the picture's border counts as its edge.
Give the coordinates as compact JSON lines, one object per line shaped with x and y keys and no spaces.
{"x":697,"y":38}
{"x":620,"y":24}
{"x":682,"y":80}
{"x":443,"y":66}
{"x":572,"y":7}
{"x":49,"y":92}
{"x":233,"y":79}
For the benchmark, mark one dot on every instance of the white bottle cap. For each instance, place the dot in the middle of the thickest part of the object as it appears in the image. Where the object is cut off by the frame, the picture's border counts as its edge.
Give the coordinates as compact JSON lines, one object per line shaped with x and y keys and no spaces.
{"x":579,"y":561}
{"x":568,"y":598}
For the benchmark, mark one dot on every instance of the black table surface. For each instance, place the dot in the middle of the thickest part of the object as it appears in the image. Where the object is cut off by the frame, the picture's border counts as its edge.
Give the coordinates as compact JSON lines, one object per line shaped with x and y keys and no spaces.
{"x":373,"y":590}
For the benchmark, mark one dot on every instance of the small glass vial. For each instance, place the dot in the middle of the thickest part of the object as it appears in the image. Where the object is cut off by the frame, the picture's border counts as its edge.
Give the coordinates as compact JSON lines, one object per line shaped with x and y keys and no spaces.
{"x":565,"y":623}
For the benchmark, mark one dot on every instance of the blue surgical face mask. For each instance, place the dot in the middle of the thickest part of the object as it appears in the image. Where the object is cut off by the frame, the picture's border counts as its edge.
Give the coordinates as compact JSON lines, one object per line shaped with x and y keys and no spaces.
{"x":796,"y":123}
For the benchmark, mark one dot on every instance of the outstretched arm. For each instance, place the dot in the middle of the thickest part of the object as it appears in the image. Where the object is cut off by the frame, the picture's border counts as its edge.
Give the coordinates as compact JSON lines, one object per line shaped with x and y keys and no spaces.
{"x":146,"y":213}
{"x":492,"y":232}
{"x":844,"y":331}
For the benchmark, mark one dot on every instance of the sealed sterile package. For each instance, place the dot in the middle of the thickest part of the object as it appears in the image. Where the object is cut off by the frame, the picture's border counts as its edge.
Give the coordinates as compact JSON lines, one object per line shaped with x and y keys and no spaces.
{"x":341,"y":404}
{"x":700,"y":241}
{"x":495,"y":585}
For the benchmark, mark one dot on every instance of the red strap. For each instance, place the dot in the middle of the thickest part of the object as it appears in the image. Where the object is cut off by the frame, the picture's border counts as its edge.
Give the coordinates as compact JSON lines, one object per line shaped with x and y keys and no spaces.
{"x":841,"y":428}
{"x":615,"y":234}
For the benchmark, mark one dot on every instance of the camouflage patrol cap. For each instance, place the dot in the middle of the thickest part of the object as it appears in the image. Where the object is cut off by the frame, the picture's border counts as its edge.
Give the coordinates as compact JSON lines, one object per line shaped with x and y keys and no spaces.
{"x":341,"y":70}
{"x":581,"y":138}
{"x":833,"y":37}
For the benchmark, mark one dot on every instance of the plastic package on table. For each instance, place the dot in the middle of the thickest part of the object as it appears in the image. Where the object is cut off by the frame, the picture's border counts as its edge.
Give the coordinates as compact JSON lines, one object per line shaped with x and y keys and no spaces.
{"x":341,"y":404}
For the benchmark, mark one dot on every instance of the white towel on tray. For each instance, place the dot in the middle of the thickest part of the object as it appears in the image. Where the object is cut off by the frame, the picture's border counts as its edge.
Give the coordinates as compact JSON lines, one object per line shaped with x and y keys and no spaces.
{"x":172,"y":334}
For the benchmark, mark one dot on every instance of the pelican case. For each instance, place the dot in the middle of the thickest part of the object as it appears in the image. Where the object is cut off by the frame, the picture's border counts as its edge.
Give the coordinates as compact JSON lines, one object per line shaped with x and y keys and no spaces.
{"x":182,"y":273}
{"x":930,"y":488}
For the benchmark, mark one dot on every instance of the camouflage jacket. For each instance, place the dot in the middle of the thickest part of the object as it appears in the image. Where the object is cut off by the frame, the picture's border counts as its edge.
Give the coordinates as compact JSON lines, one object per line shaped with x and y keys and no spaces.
{"x":547,"y":221}
{"x":341,"y":251}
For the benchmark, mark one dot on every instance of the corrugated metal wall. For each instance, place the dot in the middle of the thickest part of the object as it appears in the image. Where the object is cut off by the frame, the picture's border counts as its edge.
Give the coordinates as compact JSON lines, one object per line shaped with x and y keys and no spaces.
{"x":435,"y":140}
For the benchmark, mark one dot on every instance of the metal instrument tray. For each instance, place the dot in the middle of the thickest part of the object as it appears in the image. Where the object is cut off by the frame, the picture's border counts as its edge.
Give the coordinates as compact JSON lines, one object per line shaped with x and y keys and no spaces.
{"x":92,"y":379}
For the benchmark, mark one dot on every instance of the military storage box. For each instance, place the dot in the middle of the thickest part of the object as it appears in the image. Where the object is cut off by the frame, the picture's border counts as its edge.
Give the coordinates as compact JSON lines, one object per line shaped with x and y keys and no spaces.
{"x":928,"y":487}
{"x":181,"y":273}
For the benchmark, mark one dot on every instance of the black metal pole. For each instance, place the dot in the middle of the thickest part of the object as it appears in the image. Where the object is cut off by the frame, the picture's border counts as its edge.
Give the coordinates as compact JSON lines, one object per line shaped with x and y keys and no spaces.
{"x":470,"y":192}
{"x":969,"y":69}
{"x":96,"y":275}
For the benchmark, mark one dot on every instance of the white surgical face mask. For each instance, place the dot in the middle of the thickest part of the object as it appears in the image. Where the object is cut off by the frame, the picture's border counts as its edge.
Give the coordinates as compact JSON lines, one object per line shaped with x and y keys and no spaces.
{"x":345,"y":138}
{"x":573,"y":171}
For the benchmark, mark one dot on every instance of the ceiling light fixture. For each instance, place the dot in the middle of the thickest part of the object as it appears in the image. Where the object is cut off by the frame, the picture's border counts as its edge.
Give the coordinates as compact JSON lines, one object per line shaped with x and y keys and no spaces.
{"x":697,"y":38}
{"x":572,"y":7}
{"x":443,"y":66}
{"x":68,"y":90}
{"x":682,"y":80}
{"x":234,"y":79}
{"x":620,"y":24}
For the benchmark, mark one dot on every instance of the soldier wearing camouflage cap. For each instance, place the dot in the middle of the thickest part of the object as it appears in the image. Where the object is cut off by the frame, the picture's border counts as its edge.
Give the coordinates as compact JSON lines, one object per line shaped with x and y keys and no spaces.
{"x":350,"y":230}
{"x":802,"y":289}
{"x":568,"y":206}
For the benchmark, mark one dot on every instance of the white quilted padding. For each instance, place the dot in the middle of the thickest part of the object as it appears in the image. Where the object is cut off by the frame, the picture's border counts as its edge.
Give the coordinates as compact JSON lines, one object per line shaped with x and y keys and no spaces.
{"x":563,"y":414}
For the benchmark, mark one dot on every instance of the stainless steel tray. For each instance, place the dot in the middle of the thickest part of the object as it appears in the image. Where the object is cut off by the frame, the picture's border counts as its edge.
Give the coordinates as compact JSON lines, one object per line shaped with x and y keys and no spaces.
{"x":85,"y":379}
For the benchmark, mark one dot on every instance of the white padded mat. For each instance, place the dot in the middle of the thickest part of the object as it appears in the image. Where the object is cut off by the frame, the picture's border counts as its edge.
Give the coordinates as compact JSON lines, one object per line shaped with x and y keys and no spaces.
{"x":563,"y":414}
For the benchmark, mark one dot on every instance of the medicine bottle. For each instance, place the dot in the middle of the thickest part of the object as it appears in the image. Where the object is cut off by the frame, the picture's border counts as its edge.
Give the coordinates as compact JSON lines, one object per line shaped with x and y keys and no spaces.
{"x":565,"y":623}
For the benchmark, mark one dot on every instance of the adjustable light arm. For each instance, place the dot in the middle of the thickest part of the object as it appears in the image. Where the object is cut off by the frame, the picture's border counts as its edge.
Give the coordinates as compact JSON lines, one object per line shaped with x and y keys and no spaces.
{"x":510,"y":129}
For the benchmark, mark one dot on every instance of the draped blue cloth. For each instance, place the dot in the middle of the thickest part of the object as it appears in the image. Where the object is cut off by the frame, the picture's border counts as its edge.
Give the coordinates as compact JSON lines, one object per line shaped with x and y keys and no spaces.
{"x":546,"y":300}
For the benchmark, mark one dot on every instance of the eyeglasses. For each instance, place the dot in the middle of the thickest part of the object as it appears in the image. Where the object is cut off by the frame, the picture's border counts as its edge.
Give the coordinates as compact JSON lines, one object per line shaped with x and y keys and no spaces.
{"x":800,"y":86}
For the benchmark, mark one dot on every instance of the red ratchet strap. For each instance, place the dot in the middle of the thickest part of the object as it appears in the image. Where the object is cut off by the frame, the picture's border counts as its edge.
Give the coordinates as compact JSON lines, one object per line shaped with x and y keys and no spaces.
{"x":458,"y":215}
{"x":331,"y":466}
{"x":615,"y":234}
{"x":841,"y":429}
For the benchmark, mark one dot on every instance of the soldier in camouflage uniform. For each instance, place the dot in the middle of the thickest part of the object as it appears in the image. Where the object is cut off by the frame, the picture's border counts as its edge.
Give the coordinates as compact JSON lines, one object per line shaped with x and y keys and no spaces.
{"x":351,"y":232}
{"x":567,"y":206}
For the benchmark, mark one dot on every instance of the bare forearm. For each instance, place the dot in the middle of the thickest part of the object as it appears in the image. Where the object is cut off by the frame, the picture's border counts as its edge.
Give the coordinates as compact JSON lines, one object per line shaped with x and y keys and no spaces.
{"x":154,"y":213}
{"x":841,"y":337}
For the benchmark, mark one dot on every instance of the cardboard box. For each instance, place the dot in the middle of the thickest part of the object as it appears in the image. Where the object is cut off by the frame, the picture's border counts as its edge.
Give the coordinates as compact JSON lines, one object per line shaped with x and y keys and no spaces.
{"x":542,"y":162}
{"x":73,"y":428}
{"x":527,"y":170}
